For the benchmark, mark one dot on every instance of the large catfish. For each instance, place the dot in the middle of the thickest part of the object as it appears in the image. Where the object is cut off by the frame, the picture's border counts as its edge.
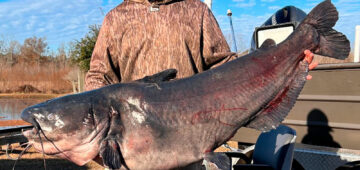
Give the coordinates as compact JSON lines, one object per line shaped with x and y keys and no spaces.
{"x":172,"y":124}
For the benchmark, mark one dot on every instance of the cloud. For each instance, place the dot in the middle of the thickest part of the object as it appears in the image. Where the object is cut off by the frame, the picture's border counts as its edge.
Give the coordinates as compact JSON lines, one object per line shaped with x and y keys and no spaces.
{"x":274,"y":7}
{"x":267,"y":0}
{"x":244,"y":3}
{"x":58,"y":21}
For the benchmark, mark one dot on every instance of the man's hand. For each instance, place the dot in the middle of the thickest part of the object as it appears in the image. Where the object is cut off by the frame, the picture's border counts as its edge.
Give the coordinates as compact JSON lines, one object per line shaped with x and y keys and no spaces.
{"x":309,"y":58}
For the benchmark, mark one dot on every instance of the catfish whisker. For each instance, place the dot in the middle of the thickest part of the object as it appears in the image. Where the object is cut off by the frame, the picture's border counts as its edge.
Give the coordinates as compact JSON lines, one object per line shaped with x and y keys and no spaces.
{"x":42,"y":147}
{"x":7,"y":152}
{"x":27,"y":143}
{"x":60,"y":151}
{"x":21,"y":154}
{"x":21,"y":145}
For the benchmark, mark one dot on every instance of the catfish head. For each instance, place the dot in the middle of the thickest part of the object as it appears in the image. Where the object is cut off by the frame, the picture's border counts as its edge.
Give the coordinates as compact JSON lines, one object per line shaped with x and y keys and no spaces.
{"x":69,"y":127}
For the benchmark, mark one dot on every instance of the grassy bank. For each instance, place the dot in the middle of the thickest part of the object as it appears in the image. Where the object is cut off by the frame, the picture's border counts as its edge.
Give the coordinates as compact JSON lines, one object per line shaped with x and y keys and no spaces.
{"x":25,"y":78}
{"x":29,"y":95}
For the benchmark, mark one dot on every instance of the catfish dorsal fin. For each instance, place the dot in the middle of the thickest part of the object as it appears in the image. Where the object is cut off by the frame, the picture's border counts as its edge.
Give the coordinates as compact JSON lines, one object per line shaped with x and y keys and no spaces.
{"x":268,"y":43}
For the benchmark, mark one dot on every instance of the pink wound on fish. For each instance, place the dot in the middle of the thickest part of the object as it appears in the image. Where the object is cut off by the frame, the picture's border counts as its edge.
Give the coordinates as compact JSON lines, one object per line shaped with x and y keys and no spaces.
{"x":140,"y":141}
{"x":279,"y":99}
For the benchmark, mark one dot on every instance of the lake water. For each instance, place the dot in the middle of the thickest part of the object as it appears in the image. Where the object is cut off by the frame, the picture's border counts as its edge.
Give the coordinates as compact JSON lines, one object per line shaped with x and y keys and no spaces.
{"x":10,"y":109}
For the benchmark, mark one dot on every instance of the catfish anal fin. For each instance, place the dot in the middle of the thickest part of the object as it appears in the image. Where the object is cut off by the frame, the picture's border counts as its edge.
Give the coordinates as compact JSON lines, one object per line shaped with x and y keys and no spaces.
{"x":275,"y":111}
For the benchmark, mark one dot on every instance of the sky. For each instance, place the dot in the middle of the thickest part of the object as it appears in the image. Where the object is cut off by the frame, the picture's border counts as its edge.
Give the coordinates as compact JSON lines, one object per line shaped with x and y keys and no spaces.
{"x":62,"y":21}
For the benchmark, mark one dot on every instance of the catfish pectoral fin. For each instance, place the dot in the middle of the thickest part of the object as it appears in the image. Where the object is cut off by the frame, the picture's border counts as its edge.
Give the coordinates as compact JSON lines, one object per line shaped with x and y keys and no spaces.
{"x":111,"y":154}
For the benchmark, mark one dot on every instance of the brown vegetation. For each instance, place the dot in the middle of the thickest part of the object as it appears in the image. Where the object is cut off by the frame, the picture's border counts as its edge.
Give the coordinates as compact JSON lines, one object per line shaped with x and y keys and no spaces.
{"x":29,"y":96}
{"x":27,"y":68}
{"x":23,"y":78}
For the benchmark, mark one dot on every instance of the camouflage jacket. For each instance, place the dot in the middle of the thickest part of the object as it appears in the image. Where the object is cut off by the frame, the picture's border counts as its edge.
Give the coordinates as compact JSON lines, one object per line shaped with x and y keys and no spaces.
{"x":139,"y":38}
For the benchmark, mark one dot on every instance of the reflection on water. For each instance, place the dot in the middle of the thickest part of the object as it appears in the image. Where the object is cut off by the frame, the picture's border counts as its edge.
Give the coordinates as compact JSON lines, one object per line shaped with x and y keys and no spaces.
{"x":10,"y":109}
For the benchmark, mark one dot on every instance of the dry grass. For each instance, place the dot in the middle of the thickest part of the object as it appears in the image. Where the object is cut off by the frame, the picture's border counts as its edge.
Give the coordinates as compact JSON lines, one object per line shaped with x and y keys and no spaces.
{"x":29,"y":96}
{"x":42,"y":79}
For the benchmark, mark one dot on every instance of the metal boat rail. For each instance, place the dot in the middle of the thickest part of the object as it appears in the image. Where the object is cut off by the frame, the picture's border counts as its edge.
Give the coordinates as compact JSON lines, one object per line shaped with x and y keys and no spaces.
{"x":13,"y":135}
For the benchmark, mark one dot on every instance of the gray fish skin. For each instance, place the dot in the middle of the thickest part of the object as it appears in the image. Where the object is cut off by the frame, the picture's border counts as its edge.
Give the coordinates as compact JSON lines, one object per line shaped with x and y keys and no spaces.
{"x":173,"y":124}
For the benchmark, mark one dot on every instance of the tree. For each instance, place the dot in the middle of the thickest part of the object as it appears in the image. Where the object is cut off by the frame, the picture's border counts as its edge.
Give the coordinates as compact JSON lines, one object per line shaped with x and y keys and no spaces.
{"x":33,"y":49}
{"x":82,"y":50}
{"x":9,"y":51}
{"x":61,"y":55}
{"x":13,"y":52}
{"x":2,"y":47}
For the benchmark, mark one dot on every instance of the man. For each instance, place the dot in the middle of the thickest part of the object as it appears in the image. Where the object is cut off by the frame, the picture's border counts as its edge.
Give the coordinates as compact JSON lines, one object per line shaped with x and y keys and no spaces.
{"x":143,"y":37}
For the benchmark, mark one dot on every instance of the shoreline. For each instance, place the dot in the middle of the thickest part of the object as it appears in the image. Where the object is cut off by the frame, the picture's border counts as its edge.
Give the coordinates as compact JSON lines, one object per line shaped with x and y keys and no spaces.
{"x":11,"y":123}
{"x":30,"y":95}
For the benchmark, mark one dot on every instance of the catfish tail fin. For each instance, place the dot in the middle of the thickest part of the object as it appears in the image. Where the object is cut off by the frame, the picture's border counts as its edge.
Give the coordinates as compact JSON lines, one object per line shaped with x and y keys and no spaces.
{"x":332,"y":43}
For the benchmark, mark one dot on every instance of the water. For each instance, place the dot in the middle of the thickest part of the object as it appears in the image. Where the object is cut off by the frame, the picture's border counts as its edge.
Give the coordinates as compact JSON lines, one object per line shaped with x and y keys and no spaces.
{"x":10,"y":109}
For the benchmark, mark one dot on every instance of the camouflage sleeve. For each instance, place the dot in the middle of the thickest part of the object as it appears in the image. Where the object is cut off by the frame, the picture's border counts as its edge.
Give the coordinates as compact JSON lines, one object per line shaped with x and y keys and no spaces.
{"x":104,"y":68}
{"x":216,"y":51}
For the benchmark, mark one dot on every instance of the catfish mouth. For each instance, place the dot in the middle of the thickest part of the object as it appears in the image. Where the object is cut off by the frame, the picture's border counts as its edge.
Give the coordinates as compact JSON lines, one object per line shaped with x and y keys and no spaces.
{"x":38,"y":139}
{"x":30,"y":134}
{"x":62,"y":148}
{"x":33,"y":134}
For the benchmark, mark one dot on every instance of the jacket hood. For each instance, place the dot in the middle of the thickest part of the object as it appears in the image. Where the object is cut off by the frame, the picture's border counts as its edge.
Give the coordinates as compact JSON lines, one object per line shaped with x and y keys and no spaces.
{"x":158,"y":2}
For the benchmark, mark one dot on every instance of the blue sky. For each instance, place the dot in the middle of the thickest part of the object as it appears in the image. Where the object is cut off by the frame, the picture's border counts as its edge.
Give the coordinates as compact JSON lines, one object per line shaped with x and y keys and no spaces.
{"x":62,"y":21}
